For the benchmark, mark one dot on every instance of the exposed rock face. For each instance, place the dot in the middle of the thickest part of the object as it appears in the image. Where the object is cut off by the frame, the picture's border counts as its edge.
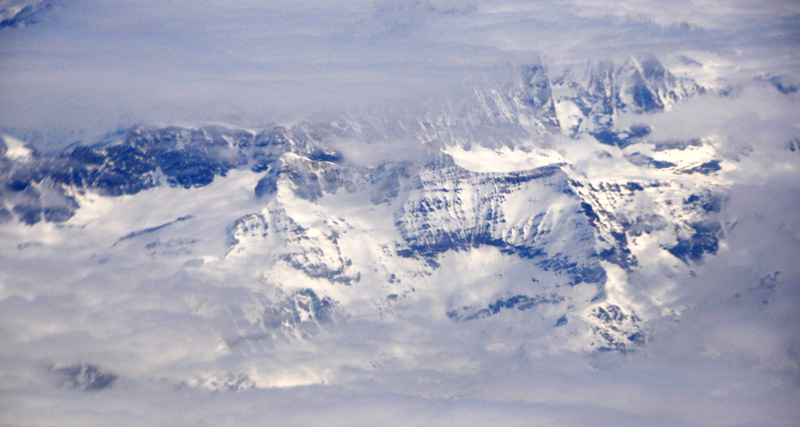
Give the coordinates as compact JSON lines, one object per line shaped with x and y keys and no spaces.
{"x":84,"y":377}
{"x":592,"y":99}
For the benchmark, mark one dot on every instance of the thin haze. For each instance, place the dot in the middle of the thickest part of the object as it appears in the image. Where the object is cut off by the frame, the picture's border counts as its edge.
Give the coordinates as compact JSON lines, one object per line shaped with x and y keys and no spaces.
{"x":91,"y":66}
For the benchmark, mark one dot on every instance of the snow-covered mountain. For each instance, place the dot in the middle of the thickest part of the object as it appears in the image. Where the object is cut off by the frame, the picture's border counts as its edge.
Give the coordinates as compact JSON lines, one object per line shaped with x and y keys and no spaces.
{"x":351,"y":235}
{"x":538,"y":217}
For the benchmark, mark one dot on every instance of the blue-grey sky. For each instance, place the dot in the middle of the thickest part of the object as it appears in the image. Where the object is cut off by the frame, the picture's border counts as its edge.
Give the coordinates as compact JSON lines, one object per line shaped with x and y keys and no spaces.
{"x":97,"y":64}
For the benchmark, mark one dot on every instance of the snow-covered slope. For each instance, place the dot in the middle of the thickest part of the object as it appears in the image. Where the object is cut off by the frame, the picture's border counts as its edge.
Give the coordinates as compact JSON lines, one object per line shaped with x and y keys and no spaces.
{"x":527,"y":221}
{"x":21,"y":13}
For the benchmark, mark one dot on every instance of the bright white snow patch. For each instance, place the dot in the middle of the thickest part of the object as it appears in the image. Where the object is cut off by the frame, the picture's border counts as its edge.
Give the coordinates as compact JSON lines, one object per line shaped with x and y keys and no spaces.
{"x":16,"y":148}
{"x":482,"y":159}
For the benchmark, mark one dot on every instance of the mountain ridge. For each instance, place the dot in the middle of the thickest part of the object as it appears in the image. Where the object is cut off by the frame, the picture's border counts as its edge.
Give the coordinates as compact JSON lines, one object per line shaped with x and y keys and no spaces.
{"x":563,"y":218}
